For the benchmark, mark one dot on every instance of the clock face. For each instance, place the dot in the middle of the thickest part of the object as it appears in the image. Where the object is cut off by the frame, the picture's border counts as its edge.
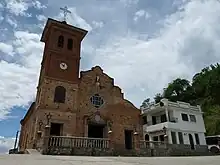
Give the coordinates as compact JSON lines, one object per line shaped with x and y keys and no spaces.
{"x":63,"y":66}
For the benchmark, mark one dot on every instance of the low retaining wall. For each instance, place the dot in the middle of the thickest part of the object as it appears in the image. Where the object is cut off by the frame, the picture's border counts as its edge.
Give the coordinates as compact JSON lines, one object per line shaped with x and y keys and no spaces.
{"x":79,"y":151}
{"x":101,"y":147}
{"x":171,"y":150}
{"x":175,"y":150}
{"x":185,"y":150}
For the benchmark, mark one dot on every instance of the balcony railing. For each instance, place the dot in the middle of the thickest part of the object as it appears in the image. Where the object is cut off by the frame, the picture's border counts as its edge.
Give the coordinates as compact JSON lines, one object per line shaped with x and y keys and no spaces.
{"x":77,"y":142}
{"x":153,"y":144}
{"x":172,"y":120}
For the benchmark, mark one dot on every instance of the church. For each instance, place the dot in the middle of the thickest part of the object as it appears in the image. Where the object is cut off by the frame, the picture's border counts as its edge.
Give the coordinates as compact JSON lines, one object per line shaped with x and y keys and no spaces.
{"x":76,"y":112}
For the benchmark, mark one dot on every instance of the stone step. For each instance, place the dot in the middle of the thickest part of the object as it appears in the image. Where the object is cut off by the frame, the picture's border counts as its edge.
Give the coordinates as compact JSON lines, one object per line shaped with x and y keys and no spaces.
{"x":32,"y":152}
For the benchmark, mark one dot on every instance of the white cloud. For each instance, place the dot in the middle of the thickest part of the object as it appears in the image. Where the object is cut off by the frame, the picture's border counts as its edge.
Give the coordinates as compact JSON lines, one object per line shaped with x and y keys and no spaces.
{"x":11,"y":21}
{"x":1,"y":6}
{"x":20,"y":7}
{"x":147,"y":15}
{"x":97,"y":24}
{"x":17,"y":7}
{"x":41,"y":17}
{"x":76,"y":19}
{"x":19,"y":79}
{"x":141,"y":13}
{"x":17,"y":87}
{"x":38,"y":5}
{"x":1,"y":18}
{"x":6,"y":144}
{"x":6,"y":48}
{"x":129,"y":2}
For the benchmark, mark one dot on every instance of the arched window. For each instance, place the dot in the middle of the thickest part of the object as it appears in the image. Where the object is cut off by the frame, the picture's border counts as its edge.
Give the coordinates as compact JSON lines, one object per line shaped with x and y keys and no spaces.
{"x":60,"y":41}
{"x":60,"y":94}
{"x":70,"y":44}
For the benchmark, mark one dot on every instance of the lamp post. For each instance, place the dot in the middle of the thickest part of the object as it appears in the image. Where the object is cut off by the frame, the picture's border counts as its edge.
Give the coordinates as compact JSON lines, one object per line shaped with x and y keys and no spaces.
{"x":40,"y":125}
{"x":46,"y":134}
{"x":165,"y":136}
{"x":165,"y":131}
{"x":110,"y":127}
{"x":16,"y":140}
{"x":135,"y":130}
{"x":48,"y":119}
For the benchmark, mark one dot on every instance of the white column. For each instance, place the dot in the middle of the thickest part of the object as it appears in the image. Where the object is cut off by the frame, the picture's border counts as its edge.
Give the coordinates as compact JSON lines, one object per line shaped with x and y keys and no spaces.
{"x":169,"y":137}
{"x":167,"y":114}
{"x":150,"y":139}
{"x":149,"y":119}
{"x":177,"y":138}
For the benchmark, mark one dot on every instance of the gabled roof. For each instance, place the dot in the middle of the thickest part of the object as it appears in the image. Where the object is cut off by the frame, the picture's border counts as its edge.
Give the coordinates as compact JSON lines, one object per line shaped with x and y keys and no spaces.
{"x":29,"y":112}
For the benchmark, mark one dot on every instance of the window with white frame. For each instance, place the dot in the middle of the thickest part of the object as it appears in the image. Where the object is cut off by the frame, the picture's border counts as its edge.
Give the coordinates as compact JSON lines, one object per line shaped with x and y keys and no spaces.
{"x":197,"y":139}
{"x":192,"y":118}
{"x":180,"y":134}
{"x":173,"y":136}
{"x":184,"y":117}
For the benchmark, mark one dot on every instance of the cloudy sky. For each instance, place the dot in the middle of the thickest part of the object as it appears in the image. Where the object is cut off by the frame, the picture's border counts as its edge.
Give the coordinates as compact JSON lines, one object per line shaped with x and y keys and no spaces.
{"x":143,"y":44}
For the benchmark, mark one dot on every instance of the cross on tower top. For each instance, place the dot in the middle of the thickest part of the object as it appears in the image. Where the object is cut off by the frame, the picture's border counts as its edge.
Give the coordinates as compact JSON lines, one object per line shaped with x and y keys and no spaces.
{"x":65,"y":11}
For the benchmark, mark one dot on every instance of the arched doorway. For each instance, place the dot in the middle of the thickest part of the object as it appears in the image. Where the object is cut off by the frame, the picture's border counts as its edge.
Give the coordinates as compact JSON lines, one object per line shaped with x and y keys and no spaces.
{"x":96,"y":126}
{"x":191,"y":142}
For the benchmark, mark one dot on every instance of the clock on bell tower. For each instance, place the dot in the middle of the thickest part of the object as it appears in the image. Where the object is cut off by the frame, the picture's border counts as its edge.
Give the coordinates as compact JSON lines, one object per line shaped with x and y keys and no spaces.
{"x":61,"y":58}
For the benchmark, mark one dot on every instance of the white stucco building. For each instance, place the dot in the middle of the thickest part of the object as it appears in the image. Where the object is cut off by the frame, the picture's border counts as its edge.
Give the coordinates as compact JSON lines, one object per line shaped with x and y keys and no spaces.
{"x":179,"y":122}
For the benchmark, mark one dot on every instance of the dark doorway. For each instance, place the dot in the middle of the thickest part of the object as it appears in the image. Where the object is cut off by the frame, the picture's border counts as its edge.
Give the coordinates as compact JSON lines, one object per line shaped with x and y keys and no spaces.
{"x":95,"y":130}
{"x":191,"y":142}
{"x":155,"y":138}
{"x":154,"y":120}
{"x":163,"y":118}
{"x":147,"y":138}
{"x":128,"y":139}
{"x":55,"y":129}
{"x":162,"y":138}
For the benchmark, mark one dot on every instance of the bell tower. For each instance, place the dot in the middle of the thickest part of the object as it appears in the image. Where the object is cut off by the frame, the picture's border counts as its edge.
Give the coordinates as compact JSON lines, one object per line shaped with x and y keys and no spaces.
{"x":59,"y":75}
{"x":61,"y":59}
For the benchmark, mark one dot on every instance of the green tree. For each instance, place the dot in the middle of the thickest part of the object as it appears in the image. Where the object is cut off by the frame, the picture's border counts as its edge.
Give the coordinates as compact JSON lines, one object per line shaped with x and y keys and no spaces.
{"x":158,"y":97}
{"x":178,"y":90}
{"x":212,"y":120}
{"x":145,"y":103}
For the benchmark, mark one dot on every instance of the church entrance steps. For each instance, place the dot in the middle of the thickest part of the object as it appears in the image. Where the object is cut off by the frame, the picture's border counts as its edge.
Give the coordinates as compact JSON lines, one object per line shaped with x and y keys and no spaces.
{"x":32,"y":152}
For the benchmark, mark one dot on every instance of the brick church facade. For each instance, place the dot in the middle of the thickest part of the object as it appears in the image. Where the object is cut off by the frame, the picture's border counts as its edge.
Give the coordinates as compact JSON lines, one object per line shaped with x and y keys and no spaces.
{"x":70,"y":103}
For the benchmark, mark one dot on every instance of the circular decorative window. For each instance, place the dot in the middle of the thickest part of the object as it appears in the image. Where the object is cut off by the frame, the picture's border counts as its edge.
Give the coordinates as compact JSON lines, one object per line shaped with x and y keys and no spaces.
{"x":97,"y":100}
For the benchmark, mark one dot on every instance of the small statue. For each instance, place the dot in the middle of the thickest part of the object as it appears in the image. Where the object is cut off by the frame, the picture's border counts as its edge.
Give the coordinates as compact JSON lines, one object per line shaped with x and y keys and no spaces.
{"x":97,"y":81}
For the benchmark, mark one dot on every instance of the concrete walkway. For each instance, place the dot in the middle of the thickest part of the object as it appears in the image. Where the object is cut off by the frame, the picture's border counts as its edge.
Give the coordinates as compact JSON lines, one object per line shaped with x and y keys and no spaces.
{"x":82,"y":160}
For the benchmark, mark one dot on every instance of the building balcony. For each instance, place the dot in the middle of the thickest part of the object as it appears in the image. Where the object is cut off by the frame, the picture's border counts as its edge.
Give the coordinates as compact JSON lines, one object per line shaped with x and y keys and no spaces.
{"x":159,"y":126}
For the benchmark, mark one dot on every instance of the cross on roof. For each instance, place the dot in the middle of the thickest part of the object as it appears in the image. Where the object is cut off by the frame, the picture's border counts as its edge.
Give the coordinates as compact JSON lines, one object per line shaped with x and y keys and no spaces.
{"x":65,"y":11}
